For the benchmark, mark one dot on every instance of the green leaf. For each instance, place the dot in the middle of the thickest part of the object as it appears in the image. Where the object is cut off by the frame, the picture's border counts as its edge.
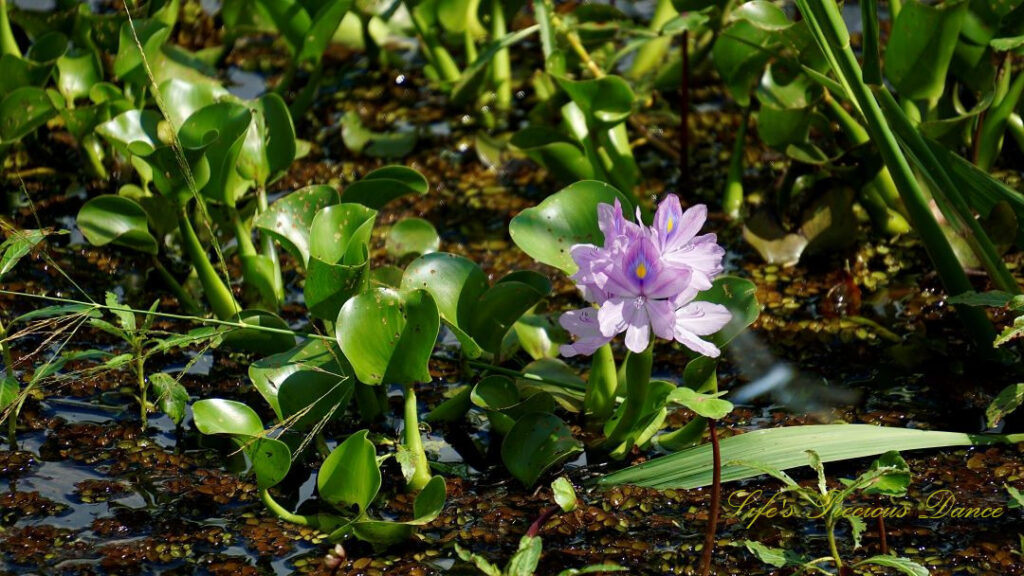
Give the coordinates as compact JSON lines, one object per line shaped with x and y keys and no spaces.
{"x":548,"y":231}
{"x":324,"y":22}
{"x":783,"y":448}
{"x":706,"y":405}
{"x":604,"y":101}
{"x":564,"y":494}
{"x":310,"y":379}
{"x":453,"y":408}
{"x":1017,"y":499}
{"x":537,"y":442}
{"x":762,"y":14}
{"x":125,"y":317}
{"x":269,"y":146}
{"x":77,"y":72}
{"x":388,"y":336}
{"x":17,"y":245}
{"x":1008,"y":400}
{"x":350,"y":476}
{"x":9,"y":392}
{"x":904,"y":565}
{"x":456,"y":283}
{"x":116,"y":220}
{"x":740,"y":53}
{"x":479,"y":561}
{"x":740,"y":297}
{"x":271,"y":460}
{"x":170,"y":396}
{"x":992,"y":298}
{"x":384,"y":185}
{"x":524,"y":561}
{"x":339,"y":240}
{"x":289,"y":219}
{"x":412,"y":236}
{"x":217,"y":416}
{"x":128,"y":64}
{"x":22,"y":111}
{"x":771,"y":556}
{"x":921,"y":47}
{"x":558,"y":153}
{"x":183,"y":99}
{"x":890,"y":475}
{"x":134,"y":131}
{"x":58,"y":310}
{"x":219,"y":130}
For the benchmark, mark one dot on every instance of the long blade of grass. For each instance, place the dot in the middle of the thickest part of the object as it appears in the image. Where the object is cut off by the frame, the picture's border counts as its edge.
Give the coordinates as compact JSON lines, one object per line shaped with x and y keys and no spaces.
{"x":785,"y":448}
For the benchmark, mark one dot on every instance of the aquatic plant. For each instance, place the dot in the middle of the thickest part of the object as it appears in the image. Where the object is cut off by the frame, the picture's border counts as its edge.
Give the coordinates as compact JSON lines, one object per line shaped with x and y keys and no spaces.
{"x":889,"y":476}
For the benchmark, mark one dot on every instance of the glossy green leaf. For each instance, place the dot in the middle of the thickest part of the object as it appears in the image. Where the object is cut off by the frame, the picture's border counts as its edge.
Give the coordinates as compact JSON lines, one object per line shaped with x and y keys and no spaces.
{"x":388,"y":336}
{"x":921,"y":46}
{"x":426,"y":507}
{"x":412,"y":236}
{"x":350,"y":476}
{"x":271,"y":459}
{"x":740,"y":297}
{"x":456,"y":284}
{"x":384,"y":185}
{"x":559,"y":154}
{"x":22,"y":111}
{"x":77,"y":72}
{"x":128,"y":64}
{"x":183,"y":99}
{"x":453,"y":408}
{"x":218,"y":416}
{"x":604,"y":101}
{"x":269,"y":147}
{"x":289,"y":219}
{"x":524,"y":561}
{"x":135,"y":131}
{"x":500,"y":307}
{"x":537,"y":442}
{"x":219,"y":129}
{"x":740,"y":53}
{"x":762,"y":14}
{"x":9,"y":392}
{"x":313,"y":364}
{"x":548,"y":231}
{"x":339,"y":240}
{"x":564,"y":494}
{"x":116,"y":220}
{"x":169,"y":395}
{"x":784,"y":448}
{"x":324,"y":22}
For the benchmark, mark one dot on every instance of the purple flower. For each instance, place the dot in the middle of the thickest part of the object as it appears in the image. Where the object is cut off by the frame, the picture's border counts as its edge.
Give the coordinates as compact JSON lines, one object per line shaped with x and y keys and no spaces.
{"x":644,"y":280}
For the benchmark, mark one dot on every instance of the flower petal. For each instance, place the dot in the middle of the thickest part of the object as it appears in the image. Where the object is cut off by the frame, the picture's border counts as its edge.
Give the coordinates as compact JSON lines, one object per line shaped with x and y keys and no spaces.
{"x":611,"y":316}
{"x":693,"y":342}
{"x":702,"y":318}
{"x":662,"y":318}
{"x":583,"y":325}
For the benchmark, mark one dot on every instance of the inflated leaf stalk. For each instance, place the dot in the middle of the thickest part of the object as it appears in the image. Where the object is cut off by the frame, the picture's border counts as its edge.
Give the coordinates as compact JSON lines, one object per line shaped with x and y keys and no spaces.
{"x":990,"y":138}
{"x":599,"y":401}
{"x":732,"y":200}
{"x":8,"y":45}
{"x":435,"y":52}
{"x":652,"y":54}
{"x":826,"y":23}
{"x":501,"y":65}
{"x":219,"y":296}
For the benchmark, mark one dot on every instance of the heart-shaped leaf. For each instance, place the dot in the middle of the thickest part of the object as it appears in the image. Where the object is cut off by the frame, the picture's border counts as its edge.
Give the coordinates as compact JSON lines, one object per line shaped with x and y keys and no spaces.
{"x":537,"y":442}
{"x":350,"y":476}
{"x":183,"y":99}
{"x":427,"y":506}
{"x":312,"y":364}
{"x":77,"y":72}
{"x":289,"y":219}
{"x":558,"y":153}
{"x":135,"y":131}
{"x":548,"y":231}
{"x":220,"y":130}
{"x":218,"y":416}
{"x":604,"y":101}
{"x":384,"y":185}
{"x":269,"y":147}
{"x":388,"y":336}
{"x":921,"y":47}
{"x":128,"y":64}
{"x":456,"y":283}
{"x":412,"y":236}
{"x":116,"y":220}
{"x":22,"y":111}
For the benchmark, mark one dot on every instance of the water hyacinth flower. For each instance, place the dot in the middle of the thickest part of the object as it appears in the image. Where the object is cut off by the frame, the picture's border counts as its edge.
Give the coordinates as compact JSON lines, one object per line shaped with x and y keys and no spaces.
{"x":644,"y":280}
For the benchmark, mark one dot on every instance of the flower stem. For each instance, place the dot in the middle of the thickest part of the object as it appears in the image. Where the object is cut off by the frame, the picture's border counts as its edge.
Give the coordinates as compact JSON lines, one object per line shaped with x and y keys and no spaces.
{"x":638,"y":379}
{"x":599,"y":401}
{"x":413,"y":442}
{"x":716,"y":499}
{"x":732,"y":200}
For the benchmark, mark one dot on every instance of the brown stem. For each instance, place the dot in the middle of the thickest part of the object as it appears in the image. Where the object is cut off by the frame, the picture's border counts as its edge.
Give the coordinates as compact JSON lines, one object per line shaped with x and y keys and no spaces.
{"x":716,"y":498}
{"x":684,"y":112}
{"x":539,"y":522}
